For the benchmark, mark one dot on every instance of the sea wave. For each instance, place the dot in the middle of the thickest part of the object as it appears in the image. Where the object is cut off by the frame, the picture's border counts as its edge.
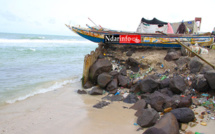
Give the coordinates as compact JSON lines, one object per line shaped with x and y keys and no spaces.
{"x":41,"y":41}
{"x":55,"y":86}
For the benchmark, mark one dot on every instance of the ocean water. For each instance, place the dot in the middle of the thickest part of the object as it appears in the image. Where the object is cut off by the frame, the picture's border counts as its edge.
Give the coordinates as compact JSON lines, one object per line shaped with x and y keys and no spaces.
{"x":33,"y":64}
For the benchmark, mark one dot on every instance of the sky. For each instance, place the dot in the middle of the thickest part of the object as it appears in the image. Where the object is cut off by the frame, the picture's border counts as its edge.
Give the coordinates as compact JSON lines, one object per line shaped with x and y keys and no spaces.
{"x":50,"y":16}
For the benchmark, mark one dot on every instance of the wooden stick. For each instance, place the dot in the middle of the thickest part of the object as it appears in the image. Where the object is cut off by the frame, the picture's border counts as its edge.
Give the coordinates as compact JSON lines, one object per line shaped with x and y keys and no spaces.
{"x":195,"y":54}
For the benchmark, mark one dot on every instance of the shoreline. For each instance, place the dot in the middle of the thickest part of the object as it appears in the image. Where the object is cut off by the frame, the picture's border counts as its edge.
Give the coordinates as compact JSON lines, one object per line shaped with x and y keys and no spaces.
{"x":65,"y":111}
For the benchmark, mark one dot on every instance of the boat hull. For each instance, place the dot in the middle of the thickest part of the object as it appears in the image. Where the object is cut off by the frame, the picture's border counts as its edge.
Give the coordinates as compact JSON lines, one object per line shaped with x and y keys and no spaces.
{"x":149,"y":40}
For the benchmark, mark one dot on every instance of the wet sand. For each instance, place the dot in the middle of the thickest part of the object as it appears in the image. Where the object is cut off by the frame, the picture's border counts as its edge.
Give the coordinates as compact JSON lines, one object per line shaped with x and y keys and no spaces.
{"x":63,"y":111}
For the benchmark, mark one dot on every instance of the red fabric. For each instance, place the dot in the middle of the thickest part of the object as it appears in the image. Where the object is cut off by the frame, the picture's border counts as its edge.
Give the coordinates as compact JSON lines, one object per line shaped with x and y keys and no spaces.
{"x":169,"y":29}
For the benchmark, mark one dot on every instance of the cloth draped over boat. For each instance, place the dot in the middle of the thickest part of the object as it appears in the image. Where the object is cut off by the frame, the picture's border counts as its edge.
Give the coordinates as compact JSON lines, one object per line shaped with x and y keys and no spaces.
{"x":152,"y":26}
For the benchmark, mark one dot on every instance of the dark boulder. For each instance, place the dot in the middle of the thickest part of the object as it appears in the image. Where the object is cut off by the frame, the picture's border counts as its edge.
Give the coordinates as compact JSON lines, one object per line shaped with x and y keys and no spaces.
{"x":103,"y":79}
{"x":172,"y":56}
{"x":113,"y":97}
{"x":135,"y":88}
{"x":195,"y":65}
{"x":112,"y":85}
{"x":166,"y":91}
{"x":123,"y":80}
{"x":164,"y":83}
{"x":81,"y":91}
{"x":148,"y":118}
{"x":123,"y":72}
{"x":200,"y":83}
{"x":185,"y":101}
{"x":131,"y":98}
{"x":210,"y":77}
{"x":157,"y":100}
{"x":101,"y":104}
{"x":148,"y":85}
{"x":140,"y":104}
{"x":100,"y":66}
{"x":205,"y":68}
{"x":129,"y":53}
{"x":133,"y":64}
{"x":166,"y":125}
{"x":96,"y":91}
{"x":88,"y":84}
{"x":183,"y":115}
{"x":114,"y":74}
{"x":182,"y":61}
{"x":177,"y":84}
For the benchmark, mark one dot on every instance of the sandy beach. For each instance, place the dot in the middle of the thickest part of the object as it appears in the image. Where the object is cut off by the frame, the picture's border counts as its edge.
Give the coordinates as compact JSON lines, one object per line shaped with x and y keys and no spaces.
{"x":63,"y":111}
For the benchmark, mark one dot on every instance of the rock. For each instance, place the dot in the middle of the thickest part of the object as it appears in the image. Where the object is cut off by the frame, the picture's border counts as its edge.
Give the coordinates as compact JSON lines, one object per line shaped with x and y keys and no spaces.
{"x":123,"y":72}
{"x":88,"y":84}
{"x":100,"y":66}
{"x":103,"y":79}
{"x":140,"y":104}
{"x":205,"y":68}
{"x":200,"y":83}
{"x":157,"y":100}
{"x":148,"y":85}
{"x":182,"y":61}
{"x":96,"y":91}
{"x":210,"y":77}
{"x":164,"y":83}
{"x":112,"y":85}
{"x":135,"y":88}
{"x":184,"y":126}
{"x":183,"y":115}
{"x":177,"y":84}
{"x":171,"y":50}
{"x":166,"y":125}
{"x":148,"y":118}
{"x":101,"y":56}
{"x":123,"y":80}
{"x":195,"y":65}
{"x":131,"y":98}
{"x":133,"y":63}
{"x":113,"y":97}
{"x":129,"y":53}
{"x":114,"y":74}
{"x":185,"y":101}
{"x":172,"y":56}
{"x":101,"y":104}
{"x":81,"y":91}
{"x":166,"y":91}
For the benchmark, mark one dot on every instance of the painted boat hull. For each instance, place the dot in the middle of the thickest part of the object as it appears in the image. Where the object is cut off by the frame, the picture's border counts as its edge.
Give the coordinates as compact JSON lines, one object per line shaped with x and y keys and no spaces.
{"x":149,"y":40}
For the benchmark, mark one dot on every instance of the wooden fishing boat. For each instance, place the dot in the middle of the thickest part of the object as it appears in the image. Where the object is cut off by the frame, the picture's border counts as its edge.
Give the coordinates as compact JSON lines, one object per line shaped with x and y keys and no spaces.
{"x":147,"y":39}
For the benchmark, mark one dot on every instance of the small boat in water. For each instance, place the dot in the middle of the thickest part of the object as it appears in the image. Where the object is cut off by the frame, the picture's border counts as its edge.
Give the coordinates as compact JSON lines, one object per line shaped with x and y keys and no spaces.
{"x":158,"y":39}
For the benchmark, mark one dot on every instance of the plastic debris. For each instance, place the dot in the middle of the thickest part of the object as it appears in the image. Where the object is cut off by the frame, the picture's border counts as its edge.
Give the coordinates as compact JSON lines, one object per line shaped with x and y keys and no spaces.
{"x":164,"y":77}
{"x":205,"y":95}
{"x":161,"y":66}
{"x":203,"y":123}
{"x":135,"y":124}
{"x":198,"y":133}
{"x":118,"y":92}
{"x":167,"y":109}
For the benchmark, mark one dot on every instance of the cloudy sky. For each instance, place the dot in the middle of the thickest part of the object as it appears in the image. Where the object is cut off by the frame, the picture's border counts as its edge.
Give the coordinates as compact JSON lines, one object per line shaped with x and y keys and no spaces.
{"x":49,"y":16}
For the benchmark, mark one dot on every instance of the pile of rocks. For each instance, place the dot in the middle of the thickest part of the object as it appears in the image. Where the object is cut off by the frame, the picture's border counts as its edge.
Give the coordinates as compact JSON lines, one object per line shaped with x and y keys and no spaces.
{"x":154,"y":90}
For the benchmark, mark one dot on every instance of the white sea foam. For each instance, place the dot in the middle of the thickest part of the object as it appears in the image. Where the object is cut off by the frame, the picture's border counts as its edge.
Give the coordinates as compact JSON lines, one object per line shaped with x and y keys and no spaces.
{"x":55,"y":86}
{"x":41,"y":41}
